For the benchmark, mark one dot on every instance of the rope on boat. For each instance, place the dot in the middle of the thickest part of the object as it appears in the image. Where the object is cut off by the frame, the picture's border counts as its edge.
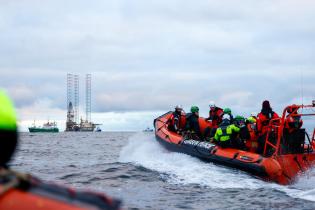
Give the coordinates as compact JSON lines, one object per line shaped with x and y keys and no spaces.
{"x":12,"y":179}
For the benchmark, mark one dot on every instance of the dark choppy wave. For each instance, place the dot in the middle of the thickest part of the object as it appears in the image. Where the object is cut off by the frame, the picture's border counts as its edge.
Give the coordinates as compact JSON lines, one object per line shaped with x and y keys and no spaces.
{"x":133,"y":167}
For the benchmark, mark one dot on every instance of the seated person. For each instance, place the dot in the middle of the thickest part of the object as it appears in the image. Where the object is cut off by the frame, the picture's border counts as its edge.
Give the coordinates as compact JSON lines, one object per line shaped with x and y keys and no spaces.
{"x":251,"y":142}
{"x":228,"y":111}
{"x":293,"y":135}
{"x":293,"y":121}
{"x":192,"y":123}
{"x":215,"y":115}
{"x":177,"y":121}
{"x":225,"y":135}
{"x":243,"y":134}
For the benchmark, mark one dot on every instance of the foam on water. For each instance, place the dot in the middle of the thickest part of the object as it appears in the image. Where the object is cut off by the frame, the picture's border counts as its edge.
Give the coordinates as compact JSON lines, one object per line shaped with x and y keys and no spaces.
{"x":304,"y":187}
{"x":144,"y":150}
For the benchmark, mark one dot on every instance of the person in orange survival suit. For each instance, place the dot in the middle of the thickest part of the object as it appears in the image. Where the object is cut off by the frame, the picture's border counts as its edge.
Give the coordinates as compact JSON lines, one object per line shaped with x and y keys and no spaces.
{"x":293,"y":137}
{"x":177,"y":121}
{"x":251,"y":142}
{"x":263,"y":120}
{"x":292,"y":122}
{"x":215,"y":115}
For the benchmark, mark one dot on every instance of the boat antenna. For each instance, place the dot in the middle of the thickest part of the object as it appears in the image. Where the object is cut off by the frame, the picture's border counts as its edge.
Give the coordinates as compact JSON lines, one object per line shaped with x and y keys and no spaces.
{"x":302,"y":88}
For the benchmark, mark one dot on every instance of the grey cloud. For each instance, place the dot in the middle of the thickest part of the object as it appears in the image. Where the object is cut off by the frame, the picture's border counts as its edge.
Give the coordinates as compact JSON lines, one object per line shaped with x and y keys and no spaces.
{"x":96,"y":41}
{"x":151,"y":55}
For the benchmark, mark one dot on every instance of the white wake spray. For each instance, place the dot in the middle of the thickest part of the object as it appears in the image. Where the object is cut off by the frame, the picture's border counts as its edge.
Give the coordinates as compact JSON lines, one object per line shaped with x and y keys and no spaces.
{"x":142,"y":149}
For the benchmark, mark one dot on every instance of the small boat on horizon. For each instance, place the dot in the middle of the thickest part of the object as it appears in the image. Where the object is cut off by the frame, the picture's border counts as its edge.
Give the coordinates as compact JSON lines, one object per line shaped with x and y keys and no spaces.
{"x":49,"y":127}
{"x":148,"y":130}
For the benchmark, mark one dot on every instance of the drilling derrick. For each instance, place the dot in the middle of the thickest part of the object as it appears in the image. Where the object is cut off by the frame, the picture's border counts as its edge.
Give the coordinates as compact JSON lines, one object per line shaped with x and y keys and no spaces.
{"x":76,"y":98}
{"x":73,"y":93}
{"x":88,"y":97}
{"x":87,"y":125}
{"x":69,"y":89}
{"x":72,"y":112}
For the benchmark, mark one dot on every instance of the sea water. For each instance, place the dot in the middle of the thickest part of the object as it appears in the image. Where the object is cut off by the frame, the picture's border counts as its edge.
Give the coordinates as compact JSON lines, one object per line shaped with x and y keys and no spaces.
{"x":138,"y":170}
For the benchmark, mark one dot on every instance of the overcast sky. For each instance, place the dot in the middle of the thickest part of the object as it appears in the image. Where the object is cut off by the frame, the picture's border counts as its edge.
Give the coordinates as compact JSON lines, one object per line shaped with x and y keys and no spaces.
{"x":147,"y":56}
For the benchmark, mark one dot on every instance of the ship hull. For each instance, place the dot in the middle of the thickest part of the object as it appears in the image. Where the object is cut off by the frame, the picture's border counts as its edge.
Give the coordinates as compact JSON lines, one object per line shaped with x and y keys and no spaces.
{"x":43,"y":130}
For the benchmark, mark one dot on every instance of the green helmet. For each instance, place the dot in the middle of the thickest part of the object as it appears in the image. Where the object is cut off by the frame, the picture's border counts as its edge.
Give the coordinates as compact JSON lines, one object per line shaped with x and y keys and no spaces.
{"x":194,"y":109}
{"x":238,"y":117}
{"x":239,"y":121}
{"x":227,"y":111}
{"x":8,"y":129}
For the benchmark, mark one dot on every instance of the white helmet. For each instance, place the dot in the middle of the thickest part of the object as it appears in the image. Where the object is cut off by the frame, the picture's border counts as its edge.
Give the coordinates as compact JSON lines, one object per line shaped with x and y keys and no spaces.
{"x":179,"y":107}
{"x":226,"y":117}
{"x":253,"y":114}
{"x":211,"y":104}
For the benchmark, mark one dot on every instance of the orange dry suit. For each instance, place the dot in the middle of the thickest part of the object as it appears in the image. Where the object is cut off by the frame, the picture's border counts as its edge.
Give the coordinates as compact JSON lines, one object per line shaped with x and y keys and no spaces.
{"x":177,"y":122}
{"x":263,"y":120}
{"x":293,"y":121}
{"x":215,"y":115}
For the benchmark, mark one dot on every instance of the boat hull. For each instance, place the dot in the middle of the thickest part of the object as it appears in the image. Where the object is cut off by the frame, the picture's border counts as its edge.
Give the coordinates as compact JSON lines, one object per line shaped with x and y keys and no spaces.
{"x":282,"y":169}
{"x":206,"y":152}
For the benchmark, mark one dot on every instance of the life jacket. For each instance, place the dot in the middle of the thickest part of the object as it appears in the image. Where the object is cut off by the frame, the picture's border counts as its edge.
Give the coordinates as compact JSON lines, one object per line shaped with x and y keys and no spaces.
{"x":182,"y":121}
{"x":177,"y":121}
{"x":252,"y":143}
{"x":216,"y":116}
{"x":224,"y":133}
{"x":263,"y":120}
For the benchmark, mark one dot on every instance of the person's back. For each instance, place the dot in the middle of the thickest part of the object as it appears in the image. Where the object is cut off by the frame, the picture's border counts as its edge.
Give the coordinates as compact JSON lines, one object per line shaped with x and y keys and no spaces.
{"x":263,"y":120}
{"x":293,"y":135}
{"x":251,"y":143}
{"x":192,"y":122}
{"x":243,"y":135}
{"x":228,"y":111}
{"x":264,"y":117}
{"x":225,"y":134}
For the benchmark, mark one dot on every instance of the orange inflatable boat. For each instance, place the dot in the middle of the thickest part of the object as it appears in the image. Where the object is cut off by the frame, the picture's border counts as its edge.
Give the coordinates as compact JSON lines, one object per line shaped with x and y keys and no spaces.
{"x":21,"y":192}
{"x":276,"y":164}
